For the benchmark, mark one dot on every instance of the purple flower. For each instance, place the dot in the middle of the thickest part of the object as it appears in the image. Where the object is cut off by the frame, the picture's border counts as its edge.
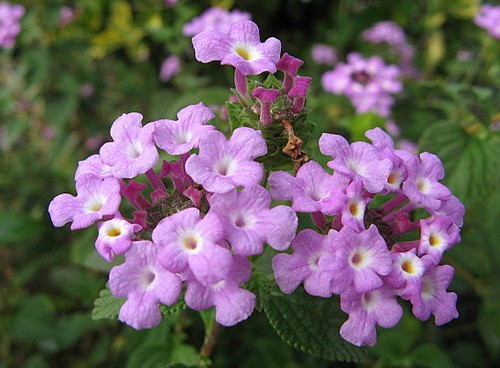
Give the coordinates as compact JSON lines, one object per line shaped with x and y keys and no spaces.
{"x":453,"y":209}
{"x":170,"y":67}
{"x":356,"y":161}
{"x":437,"y":236}
{"x":323,"y":54}
{"x":10,"y":26}
{"x":145,"y":283}
{"x":178,"y":137}
{"x":422,"y":185}
{"x":406,"y":274}
{"x":360,"y":260}
{"x":232,"y":303}
{"x":214,"y":19}
{"x":66,"y":15}
{"x":290,"y":270}
{"x":93,"y":165}
{"x":385,"y":32}
{"x":188,"y":241}
{"x":489,"y":19}
{"x":309,"y":190}
{"x":434,"y":299}
{"x":225,"y":164}
{"x":366,"y":310}
{"x":266,"y":96}
{"x":115,"y":237}
{"x":96,"y":198}
{"x":241,"y":48}
{"x":133,"y":151}
{"x":368,"y":83}
{"x":351,"y":204}
{"x":249,"y":222}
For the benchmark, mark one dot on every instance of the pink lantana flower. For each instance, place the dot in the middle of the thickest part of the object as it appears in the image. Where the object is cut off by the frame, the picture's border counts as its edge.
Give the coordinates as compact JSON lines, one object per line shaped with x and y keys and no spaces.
{"x":303,"y":265}
{"x":366,"y":311}
{"x":359,"y":260}
{"x":241,"y":48}
{"x":133,"y":151}
{"x":358,"y":160}
{"x":145,"y":283}
{"x":232,"y":303}
{"x":249,"y":222}
{"x":190,"y":242}
{"x":115,"y":237}
{"x":309,"y":190}
{"x":224,"y":164}
{"x":178,"y":137}
{"x":96,"y":198}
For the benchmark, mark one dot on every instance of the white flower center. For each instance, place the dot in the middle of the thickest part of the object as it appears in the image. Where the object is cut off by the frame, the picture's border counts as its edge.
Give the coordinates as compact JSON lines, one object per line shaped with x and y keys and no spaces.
{"x":225,"y":166}
{"x":134,"y":150}
{"x":95,"y":203}
{"x":147,"y":278}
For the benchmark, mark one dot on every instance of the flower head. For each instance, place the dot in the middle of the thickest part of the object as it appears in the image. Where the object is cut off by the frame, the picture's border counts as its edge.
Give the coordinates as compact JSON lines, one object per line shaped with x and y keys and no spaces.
{"x":489,"y":19}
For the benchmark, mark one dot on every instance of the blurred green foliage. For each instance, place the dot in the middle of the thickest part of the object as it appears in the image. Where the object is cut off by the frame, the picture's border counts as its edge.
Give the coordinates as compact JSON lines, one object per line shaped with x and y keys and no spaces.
{"x":61,"y":87}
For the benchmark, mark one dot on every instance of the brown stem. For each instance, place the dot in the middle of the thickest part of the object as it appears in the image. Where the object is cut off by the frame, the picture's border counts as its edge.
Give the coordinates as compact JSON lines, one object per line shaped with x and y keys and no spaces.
{"x":210,"y":340}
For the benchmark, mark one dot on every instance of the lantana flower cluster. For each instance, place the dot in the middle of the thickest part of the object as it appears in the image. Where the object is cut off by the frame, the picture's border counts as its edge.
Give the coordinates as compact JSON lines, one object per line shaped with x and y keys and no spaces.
{"x":385,"y":221}
{"x":190,"y":224}
{"x":10,"y":26}
{"x":382,"y":218}
{"x":391,"y":34}
{"x":368,"y":83}
{"x":489,"y":19}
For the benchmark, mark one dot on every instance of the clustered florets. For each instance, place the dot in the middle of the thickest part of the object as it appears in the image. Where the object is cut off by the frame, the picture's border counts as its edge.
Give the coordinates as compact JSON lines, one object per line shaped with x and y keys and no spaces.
{"x":196,"y":229}
{"x":489,"y":19}
{"x":370,"y":255}
{"x":368,"y":83}
{"x":382,"y":218}
{"x":10,"y":16}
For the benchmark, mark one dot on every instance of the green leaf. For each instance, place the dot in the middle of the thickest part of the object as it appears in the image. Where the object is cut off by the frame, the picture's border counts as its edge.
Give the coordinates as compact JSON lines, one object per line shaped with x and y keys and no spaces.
{"x":489,"y":324}
{"x":471,"y":161}
{"x":310,"y":324}
{"x":149,"y":356}
{"x":17,"y":227}
{"x":106,"y":305}
{"x":177,"y":307}
{"x":430,"y":356}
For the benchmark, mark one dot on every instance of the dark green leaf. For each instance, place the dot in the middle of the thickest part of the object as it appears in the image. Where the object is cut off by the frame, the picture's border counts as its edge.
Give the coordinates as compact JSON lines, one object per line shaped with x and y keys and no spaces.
{"x":471,"y":162}
{"x":106,"y":305}
{"x":149,"y":356}
{"x":17,"y":227}
{"x":308,"y":323}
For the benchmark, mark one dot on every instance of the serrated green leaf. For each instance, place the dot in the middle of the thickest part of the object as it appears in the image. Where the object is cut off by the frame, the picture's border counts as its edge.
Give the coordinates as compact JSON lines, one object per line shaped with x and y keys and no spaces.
{"x":177,"y":307}
{"x":106,"y":305}
{"x":310,"y":324}
{"x":471,"y":162}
